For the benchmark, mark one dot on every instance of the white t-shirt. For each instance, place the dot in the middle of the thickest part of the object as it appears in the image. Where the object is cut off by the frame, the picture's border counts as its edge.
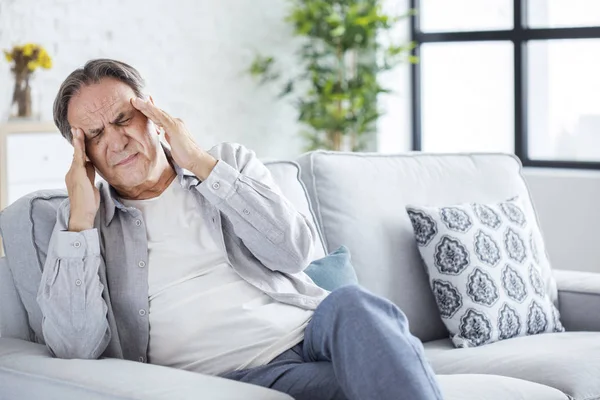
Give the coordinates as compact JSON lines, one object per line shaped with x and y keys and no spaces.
{"x":203,"y":316}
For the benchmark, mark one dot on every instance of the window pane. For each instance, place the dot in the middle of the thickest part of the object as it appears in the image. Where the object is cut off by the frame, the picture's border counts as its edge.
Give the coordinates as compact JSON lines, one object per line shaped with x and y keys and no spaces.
{"x":467,"y":97}
{"x":466,"y":15}
{"x":564,"y":100}
{"x":563,"y":13}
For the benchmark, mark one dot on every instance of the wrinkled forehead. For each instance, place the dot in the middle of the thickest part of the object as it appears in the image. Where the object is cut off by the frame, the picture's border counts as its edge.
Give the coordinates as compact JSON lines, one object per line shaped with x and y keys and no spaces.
{"x":99,"y":103}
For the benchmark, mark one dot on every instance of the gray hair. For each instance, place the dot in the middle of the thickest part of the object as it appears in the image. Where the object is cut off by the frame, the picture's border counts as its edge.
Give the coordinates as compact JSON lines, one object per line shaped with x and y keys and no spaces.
{"x":93,"y":72}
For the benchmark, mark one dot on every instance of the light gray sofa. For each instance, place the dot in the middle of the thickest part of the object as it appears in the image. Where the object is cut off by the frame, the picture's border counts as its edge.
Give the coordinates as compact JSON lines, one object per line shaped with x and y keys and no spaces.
{"x":356,"y":200}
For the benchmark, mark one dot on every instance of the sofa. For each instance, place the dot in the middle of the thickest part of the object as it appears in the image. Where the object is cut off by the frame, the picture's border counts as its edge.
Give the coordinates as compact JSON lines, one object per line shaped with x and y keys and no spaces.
{"x":356,"y":200}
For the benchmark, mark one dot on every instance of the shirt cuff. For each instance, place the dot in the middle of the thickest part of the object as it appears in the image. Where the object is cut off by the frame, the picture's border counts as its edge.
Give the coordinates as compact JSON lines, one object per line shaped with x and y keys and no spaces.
{"x":76,"y":244}
{"x":220,"y":184}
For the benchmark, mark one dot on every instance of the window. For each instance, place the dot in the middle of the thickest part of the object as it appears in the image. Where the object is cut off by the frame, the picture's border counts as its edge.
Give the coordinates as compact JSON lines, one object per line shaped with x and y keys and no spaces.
{"x":516,"y":76}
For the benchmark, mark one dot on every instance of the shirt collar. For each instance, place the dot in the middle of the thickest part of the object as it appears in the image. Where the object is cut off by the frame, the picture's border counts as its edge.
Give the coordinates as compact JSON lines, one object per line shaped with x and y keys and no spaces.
{"x":186,"y":178}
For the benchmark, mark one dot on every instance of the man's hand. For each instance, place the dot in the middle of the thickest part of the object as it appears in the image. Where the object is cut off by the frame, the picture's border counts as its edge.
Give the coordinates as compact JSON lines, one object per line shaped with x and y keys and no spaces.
{"x":186,"y":153}
{"x":83,"y":194}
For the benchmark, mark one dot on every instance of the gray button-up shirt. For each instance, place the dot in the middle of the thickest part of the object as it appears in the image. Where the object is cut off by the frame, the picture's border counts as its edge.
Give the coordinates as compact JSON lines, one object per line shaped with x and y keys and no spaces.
{"x":94,"y":288}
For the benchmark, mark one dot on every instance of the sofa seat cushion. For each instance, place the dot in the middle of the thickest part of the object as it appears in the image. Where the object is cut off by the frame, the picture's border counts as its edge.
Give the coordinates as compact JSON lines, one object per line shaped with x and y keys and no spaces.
{"x":493,"y":387}
{"x":569,"y":362}
{"x":28,"y":371}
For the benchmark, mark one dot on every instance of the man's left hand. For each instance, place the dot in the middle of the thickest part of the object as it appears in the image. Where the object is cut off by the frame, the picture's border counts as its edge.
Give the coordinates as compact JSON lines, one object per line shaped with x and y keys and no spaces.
{"x":185,"y":151}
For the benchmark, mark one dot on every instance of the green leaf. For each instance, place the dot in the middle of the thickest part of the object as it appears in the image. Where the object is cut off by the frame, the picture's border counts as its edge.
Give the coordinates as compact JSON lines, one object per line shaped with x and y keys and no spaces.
{"x":413,"y":59}
{"x":261,"y":65}
{"x":335,"y":84}
{"x":289,"y":88}
{"x":339,"y":31}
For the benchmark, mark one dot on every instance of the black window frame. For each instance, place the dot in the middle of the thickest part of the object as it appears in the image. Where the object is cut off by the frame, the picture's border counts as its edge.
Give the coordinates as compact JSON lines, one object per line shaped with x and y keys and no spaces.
{"x":519,"y":35}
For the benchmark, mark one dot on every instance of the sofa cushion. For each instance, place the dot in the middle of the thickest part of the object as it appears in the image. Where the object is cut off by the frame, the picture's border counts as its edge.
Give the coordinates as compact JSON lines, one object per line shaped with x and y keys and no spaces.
{"x":13,"y":317}
{"x":569,"y":362}
{"x":333,"y":271}
{"x":485,"y":271}
{"x":492,"y":387}
{"x":28,"y":371}
{"x":359,"y":202}
{"x":26,"y":227}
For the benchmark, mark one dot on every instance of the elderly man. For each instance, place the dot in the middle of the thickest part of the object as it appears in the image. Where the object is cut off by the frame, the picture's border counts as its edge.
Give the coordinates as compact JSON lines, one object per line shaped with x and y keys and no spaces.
{"x":193,"y":259}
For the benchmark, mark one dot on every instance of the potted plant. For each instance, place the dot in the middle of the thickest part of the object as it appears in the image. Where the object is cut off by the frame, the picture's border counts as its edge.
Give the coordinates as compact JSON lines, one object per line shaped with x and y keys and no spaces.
{"x":346,"y":46}
{"x":25,"y":60}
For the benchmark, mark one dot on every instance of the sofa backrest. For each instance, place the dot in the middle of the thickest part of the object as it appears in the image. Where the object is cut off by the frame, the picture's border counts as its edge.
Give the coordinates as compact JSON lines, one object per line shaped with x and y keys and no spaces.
{"x":287,"y":176}
{"x":26,"y":227}
{"x":13,"y":318}
{"x":359,"y":201}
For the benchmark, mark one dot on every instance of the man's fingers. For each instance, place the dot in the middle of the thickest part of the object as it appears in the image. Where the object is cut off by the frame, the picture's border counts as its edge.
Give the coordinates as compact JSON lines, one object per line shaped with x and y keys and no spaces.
{"x":91,"y":171}
{"x":156,"y":115}
{"x":79,"y":146}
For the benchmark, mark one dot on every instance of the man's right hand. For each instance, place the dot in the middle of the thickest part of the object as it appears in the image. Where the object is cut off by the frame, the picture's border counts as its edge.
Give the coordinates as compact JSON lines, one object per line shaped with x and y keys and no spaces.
{"x":83,"y":194}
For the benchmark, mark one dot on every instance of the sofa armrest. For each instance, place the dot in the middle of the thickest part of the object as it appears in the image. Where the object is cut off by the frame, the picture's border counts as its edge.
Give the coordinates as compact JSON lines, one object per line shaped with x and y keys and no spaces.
{"x":579,"y":300}
{"x":27,"y":371}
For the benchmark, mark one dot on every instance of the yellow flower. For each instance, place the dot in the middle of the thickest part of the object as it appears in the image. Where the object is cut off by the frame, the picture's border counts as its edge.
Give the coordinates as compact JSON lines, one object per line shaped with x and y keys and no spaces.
{"x":8,"y":56}
{"x":28,"y":49}
{"x":32,"y":65}
{"x":46,"y":63}
{"x":44,"y":59}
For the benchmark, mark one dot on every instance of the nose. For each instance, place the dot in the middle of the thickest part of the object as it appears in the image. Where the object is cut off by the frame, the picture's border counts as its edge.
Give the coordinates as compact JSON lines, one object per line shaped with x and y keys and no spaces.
{"x":117,"y":139}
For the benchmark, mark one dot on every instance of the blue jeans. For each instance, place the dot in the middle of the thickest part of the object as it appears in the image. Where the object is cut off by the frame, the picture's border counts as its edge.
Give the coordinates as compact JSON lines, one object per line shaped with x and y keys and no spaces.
{"x":356,"y":347}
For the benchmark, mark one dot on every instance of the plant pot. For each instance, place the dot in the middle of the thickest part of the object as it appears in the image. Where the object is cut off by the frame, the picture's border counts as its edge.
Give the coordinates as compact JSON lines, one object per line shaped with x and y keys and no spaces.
{"x":341,"y":142}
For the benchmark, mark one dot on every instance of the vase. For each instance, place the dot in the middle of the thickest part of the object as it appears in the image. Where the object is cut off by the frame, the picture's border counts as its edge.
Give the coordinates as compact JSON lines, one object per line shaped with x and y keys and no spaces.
{"x":21,"y":101}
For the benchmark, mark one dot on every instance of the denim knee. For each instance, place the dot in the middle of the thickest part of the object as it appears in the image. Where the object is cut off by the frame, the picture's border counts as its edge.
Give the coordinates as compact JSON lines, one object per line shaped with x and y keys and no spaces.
{"x":350,"y":294}
{"x":356,"y":299}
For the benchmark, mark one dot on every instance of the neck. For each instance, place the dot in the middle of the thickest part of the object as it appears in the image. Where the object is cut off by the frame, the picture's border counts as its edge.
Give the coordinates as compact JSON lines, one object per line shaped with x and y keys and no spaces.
{"x":155,"y":185}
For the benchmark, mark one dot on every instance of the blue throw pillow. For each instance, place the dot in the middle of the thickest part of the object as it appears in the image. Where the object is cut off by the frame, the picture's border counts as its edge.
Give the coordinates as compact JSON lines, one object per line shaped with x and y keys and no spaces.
{"x":333,"y":271}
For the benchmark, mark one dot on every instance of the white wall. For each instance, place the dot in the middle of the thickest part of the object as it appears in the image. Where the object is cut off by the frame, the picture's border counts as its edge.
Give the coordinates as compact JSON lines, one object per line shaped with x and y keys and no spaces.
{"x":193,"y":54}
{"x":567,"y":202}
{"x":395,"y":126}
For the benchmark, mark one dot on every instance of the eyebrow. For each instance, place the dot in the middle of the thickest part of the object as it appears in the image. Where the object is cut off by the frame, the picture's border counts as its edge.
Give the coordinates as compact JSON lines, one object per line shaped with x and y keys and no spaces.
{"x":119,"y":118}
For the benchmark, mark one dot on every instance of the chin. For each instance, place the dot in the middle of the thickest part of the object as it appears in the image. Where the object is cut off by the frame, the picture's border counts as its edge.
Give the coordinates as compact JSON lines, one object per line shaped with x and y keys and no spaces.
{"x":132,"y":179}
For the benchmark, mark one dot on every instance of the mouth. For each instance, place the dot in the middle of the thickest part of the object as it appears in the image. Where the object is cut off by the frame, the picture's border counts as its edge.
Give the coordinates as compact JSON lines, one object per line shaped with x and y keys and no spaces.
{"x":127,"y":160}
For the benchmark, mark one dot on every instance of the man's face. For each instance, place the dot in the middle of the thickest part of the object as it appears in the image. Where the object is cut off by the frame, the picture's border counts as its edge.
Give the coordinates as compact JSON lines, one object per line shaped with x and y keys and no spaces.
{"x":120,"y":141}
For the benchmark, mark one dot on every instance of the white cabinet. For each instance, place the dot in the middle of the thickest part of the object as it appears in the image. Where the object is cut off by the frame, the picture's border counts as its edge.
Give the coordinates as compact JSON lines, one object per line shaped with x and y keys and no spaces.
{"x":33,"y":156}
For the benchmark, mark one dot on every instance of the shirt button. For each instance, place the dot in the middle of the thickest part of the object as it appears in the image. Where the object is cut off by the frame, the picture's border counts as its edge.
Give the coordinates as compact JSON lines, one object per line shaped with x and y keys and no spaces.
{"x":138,"y":222}
{"x":141,"y":264}
{"x":77,"y":244}
{"x":142,"y":312}
{"x":78,"y":282}
{"x":246,"y":211}
{"x":216,"y":185}
{"x":141,"y":359}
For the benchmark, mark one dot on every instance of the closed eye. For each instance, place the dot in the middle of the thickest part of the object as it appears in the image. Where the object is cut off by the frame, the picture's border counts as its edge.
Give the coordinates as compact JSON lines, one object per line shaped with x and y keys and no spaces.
{"x":123,"y":122}
{"x":96,"y":138}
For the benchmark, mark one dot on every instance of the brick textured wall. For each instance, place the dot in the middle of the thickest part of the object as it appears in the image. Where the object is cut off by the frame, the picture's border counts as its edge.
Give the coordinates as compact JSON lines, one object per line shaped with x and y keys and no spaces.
{"x":193,"y":54}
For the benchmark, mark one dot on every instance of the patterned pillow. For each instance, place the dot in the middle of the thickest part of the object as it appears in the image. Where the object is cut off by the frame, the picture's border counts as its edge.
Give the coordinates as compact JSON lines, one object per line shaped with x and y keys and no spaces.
{"x":485,"y":270}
